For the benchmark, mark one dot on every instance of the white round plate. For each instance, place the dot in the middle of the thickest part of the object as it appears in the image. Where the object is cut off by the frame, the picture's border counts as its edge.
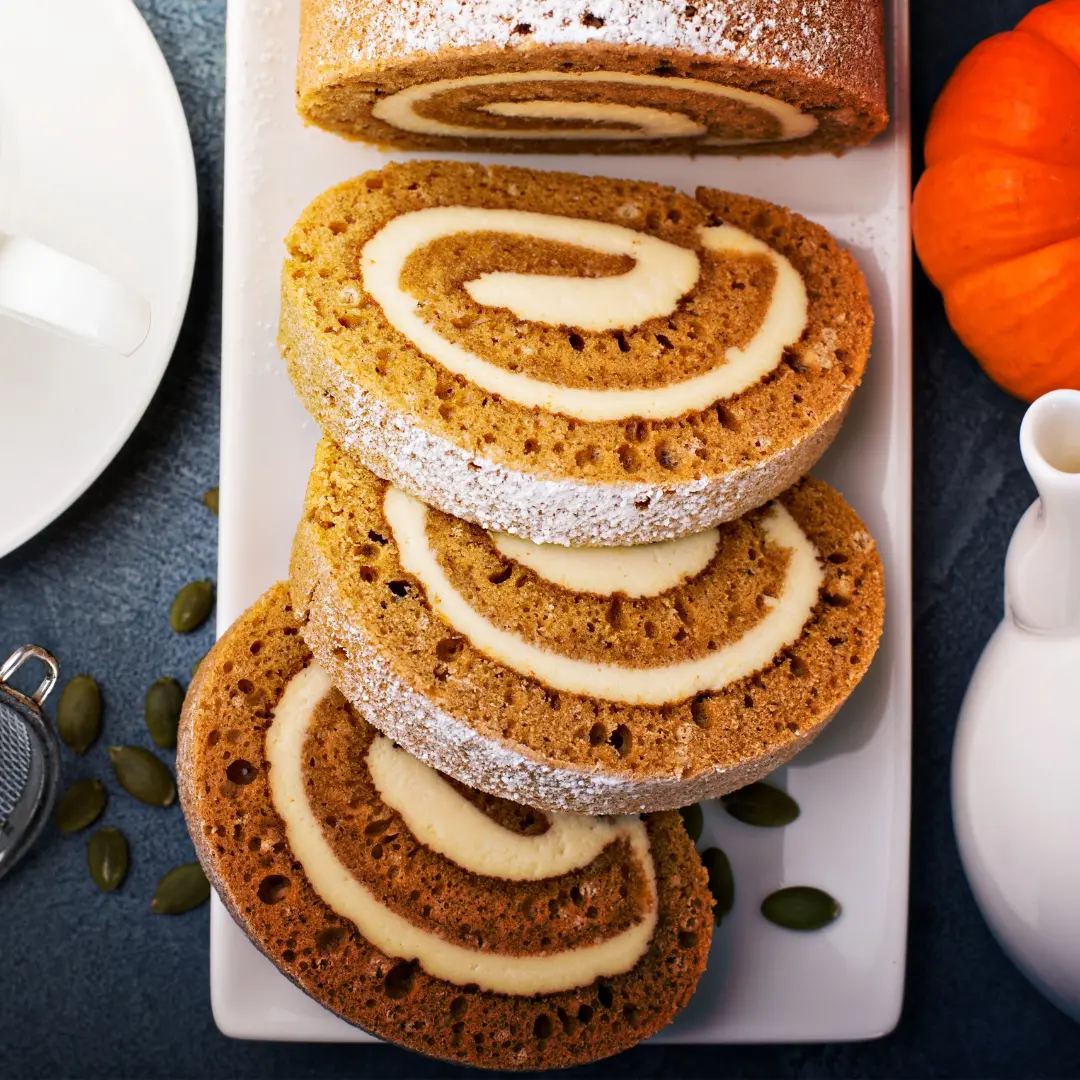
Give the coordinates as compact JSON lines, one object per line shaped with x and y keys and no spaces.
{"x":96,"y":161}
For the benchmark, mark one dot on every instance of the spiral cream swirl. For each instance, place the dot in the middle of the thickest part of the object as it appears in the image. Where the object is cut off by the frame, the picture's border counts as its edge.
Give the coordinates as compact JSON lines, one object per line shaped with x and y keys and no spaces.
{"x":461,"y":832}
{"x":623,"y":121}
{"x":663,"y":273}
{"x":781,"y":626}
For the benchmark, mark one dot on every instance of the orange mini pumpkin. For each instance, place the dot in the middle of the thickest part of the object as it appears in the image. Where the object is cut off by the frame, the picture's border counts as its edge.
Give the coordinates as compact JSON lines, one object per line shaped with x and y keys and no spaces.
{"x":996,"y":215}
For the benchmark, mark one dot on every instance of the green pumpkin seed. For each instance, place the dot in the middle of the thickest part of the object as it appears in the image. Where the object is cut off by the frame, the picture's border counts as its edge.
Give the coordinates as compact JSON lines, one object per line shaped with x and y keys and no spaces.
{"x":210,"y":500}
{"x":164,"y":700}
{"x":81,"y":805}
{"x":800,"y":907}
{"x":693,"y":820}
{"x":762,"y":805}
{"x":143,"y":775}
{"x":78,"y":714}
{"x":192,"y":606}
{"x":181,"y":889}
{"x":107,"y":858}
{"x":721,"y":882}
{"x":198,"y":663}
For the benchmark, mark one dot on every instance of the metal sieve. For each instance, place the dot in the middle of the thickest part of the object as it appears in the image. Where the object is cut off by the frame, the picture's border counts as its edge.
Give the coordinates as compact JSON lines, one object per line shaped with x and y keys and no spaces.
{"x":29,"y":757}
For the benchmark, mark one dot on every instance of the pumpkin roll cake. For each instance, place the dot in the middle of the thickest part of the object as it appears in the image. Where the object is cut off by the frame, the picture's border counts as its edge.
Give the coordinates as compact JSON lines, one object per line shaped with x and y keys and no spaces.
{"x":594,"y":680}
{"x":571,"y":359}
{"x":600,"y":76}
{"x":450,"y":922}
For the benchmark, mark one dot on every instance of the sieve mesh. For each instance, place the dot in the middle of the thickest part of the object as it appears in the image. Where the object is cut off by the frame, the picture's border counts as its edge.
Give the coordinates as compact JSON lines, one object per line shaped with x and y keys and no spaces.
{"x":29,"y":757}
{"x":15,"y":761}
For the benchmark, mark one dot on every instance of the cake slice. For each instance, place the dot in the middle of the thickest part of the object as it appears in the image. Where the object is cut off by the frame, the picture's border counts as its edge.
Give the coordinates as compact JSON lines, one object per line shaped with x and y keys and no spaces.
{"x":599,"y":76}
{"x":462,"y":926}
{"x":571,"y":359}
{"x":594,"y":680}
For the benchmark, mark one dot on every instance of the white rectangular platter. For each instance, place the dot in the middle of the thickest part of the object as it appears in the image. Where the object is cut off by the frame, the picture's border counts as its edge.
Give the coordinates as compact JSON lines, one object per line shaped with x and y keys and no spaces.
{"x":764,"y":984}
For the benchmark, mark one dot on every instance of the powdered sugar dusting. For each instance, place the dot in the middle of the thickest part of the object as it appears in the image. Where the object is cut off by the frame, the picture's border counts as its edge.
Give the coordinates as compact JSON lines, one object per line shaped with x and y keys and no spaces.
{"x":547,"y":511}
{"x":766,"y":33}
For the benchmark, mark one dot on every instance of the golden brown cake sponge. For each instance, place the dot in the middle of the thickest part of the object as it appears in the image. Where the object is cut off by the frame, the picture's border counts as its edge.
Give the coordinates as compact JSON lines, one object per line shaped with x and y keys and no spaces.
{"x":591,"y":680}
{"x":596,"y":76}
{"x":323,"y":838}
{"x":572,"y":359}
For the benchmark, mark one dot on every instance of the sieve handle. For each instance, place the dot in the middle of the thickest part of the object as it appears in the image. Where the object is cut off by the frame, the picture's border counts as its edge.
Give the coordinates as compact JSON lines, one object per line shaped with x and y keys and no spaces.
{"x":16,"y":661}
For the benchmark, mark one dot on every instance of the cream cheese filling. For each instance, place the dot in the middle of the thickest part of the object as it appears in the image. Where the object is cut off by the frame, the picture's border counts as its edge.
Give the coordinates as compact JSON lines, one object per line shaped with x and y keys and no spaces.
{"x":662,"y":274}
{"x":443,"y":821}
{"x":643,"y":570}
{"x":399,"y":110}
{"x":394,"y":935}
{"x":643,"y":121}
{"x":781,"y":626}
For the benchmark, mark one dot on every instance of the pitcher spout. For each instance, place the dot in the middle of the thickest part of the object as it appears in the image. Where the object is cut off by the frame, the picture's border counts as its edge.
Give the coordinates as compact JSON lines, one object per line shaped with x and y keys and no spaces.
{"x":1042,"y":571}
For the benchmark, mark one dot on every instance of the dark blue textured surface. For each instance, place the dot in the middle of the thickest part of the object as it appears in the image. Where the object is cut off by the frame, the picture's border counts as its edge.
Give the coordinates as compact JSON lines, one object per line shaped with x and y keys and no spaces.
{"x":94,"y":985}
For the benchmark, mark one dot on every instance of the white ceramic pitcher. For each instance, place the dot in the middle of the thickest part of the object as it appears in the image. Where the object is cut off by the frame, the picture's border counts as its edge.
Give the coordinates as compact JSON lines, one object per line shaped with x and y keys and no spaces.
{"x":1015,"y":785}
